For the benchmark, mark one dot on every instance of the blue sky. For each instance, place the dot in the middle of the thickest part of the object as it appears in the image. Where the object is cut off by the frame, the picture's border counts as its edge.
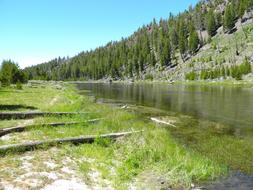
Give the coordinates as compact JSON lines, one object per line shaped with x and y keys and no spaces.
{"x":35,"y":31}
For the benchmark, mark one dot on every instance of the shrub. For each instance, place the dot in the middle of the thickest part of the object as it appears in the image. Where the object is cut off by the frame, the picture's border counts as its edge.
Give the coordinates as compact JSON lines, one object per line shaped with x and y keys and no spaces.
{"x":214,"y":46}
{"x":19,"y":85}
{"x":149,"y":77}
{"x":228,"y":71}
{"x":235,"y":72}
{"x":238,"y":70}
{"x":191,"y":76}
{"x":104,"y":142}
{"x":204,"y":75}
{"x":223,"y":72}
{"x":4,"y":81}
{"x":245,"y":68}
{"x":10,"y":73}
{"x":191,"y":65}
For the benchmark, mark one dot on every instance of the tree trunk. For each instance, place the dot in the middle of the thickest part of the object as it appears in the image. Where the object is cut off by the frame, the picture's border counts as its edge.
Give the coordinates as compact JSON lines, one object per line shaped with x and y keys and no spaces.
{"x":162,"y":122}
{"x":28,"y":115}
{"x":75,"y":140}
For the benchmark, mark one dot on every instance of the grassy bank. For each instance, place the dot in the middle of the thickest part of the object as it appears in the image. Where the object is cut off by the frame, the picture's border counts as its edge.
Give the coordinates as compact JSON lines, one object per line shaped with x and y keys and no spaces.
{"x":152,"y":155}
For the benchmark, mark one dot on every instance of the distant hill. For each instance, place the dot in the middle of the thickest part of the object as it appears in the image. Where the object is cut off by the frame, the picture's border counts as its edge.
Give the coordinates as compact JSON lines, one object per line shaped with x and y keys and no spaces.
{"x":213,"y":40}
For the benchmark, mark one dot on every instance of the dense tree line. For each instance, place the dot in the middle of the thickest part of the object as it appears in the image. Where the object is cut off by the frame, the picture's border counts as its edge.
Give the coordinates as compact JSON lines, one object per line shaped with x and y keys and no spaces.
{"x":10,"y":73}
{"x":154,"y":45}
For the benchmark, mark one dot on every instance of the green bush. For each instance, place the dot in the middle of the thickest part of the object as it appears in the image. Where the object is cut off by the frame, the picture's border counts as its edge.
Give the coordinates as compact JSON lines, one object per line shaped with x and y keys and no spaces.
{"x":19,"y":85}
{"x":223,"y":72}
{"x":149,"y":77}
{"x":10,"y":73}
{"x":104,"y":142}
{"x":4,"y":81}
{"x":214,"y":46}
{"x":237,"y":71}
{"x":191,"y":76}
{"x":245,"y":68}
{"x":191,"y":65}
{"x":204,"y":75}
{"x":228,"y":71}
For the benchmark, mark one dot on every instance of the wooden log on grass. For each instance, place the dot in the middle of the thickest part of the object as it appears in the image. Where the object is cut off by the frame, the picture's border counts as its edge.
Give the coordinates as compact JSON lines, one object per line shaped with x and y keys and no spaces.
{"x":162,"y":122}
{"x":69,"y":123}
{"x":22,"y":128}
{"x":75,"y":140}
{"x":28,"y":115}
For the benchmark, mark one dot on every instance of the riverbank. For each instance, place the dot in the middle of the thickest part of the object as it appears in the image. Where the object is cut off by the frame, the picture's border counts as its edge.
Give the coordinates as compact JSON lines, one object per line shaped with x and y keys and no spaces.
{"x":247,"y":81}
{"x":152,"y":156}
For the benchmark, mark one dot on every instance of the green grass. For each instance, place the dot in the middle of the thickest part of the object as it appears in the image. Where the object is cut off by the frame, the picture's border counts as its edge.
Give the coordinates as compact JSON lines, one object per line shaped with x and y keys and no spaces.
{"x":122,"y":161}
{"x":10,"y":123}
{"x":153,"y":150}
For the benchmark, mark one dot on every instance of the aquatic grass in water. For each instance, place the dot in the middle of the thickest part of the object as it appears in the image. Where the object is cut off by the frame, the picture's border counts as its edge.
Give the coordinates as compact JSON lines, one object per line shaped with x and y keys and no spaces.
{"x":221,"y":143}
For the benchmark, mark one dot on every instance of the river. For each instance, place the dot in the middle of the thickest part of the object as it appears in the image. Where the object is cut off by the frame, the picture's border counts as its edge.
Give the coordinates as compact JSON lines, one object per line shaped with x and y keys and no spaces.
{"x":225,"y":104}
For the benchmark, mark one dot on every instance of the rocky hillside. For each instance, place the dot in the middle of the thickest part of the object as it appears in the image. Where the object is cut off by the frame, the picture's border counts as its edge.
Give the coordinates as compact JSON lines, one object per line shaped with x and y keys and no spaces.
{"x":212,"y":40}
{"x":222,"y":58}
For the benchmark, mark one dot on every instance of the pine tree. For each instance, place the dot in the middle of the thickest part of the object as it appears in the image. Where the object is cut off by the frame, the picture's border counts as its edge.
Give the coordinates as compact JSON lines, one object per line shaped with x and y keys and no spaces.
{"x":218,"y":20}
{"x":182,"y":39}
{"x":152,"y":59}
{"x":211,"y":24}
{"x":242,"y":8}
{"x":136,"y":64}
{"x":229,"y":18}
{"x":193,"y":40}
{"x":130,"y":69}
{"x":141,"y":62}
{"x":165,"y":56}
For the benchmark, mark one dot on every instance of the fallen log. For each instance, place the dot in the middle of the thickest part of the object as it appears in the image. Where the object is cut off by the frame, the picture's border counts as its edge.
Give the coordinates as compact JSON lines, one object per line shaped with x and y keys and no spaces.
{"x":69,"y":123}
{"x":75,"y":140}
{"x":162,"y":122}
{"x":22,"y":128}
{"x":28,"y":115}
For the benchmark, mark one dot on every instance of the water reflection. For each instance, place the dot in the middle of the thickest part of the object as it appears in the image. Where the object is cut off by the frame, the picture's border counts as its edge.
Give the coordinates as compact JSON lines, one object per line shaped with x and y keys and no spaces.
{"x":229,"y":105}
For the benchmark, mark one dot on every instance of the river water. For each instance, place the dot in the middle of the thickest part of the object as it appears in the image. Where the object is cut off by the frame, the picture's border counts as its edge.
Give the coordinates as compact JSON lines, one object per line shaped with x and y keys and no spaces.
{"x":225,"y":104}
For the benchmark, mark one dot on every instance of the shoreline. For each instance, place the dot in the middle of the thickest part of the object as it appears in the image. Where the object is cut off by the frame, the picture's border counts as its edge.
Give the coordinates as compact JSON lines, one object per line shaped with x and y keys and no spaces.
{"x":199,"y":82}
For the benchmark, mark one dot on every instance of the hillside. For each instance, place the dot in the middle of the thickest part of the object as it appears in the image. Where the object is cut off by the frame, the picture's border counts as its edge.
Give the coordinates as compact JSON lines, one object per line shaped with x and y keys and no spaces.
{"x":211,"y":40}
{"x":224,"y":57}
